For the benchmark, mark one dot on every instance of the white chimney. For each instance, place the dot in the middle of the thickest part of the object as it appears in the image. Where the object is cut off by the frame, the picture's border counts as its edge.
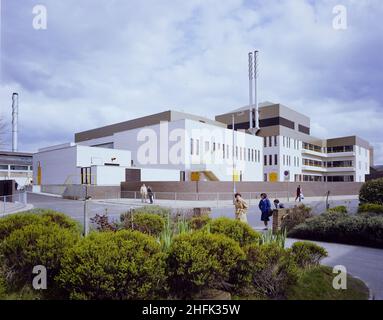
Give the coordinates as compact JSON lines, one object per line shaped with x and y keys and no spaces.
{"x":15,"y":116}
{"x":256,"y":111}
{"x":251,"y":90}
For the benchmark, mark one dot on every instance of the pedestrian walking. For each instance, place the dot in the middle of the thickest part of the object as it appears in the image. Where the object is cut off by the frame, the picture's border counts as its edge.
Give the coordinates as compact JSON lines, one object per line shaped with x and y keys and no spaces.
{"x":151,"y":195}
{"x":299,"y":194}
{"x":265,"y":207}
{"x":240,"y":208}
{"x":144,"y":193}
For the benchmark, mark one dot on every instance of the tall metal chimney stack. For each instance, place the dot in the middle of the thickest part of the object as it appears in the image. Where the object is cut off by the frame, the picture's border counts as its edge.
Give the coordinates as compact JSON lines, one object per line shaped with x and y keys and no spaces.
{"x":15,"y":116}
{"x":251,"y":90}
{"x":256,"y":111}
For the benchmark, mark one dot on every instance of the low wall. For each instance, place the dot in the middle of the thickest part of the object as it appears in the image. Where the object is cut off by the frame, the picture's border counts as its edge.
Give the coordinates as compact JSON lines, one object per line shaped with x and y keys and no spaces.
{"x":279,"y":189}
{"x":80,"y":191}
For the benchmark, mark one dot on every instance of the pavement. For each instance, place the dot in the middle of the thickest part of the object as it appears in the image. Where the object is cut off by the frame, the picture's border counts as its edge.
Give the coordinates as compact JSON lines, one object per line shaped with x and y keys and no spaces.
{"x":361,"y":262}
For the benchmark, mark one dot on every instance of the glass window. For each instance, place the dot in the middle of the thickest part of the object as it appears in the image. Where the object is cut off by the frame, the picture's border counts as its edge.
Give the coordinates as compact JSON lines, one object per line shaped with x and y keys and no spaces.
{"x":191,"y":146}
{"x":276,"y":159}
{"x":3,"y":167}
{"x":270,"y":141}
{"x":197,"y":147}
{"x":275,"y":141}
{"x":265,"y":160}
{"x":270,"y":159}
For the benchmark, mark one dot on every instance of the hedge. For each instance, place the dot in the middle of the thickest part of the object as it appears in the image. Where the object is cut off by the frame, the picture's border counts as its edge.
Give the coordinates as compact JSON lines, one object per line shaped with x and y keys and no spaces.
{"x":201,"y":260}
{"x":236,"y":230}
{"x":148,"y":223}
{"x":267,"y":271}
{"x":370,"y":208}
{"x":17,"y":221}
{"x":32,"y":245}
{"x":372,"y":192}
{"x":113,"y":265}
{"x":307,"y":254}
{"x":342,"y":228}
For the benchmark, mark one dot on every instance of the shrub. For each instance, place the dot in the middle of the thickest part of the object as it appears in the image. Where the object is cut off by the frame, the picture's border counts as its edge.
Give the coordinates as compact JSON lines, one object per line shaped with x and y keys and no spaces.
{"x":236,"y":230}
{"x":201,"y":260}
{"x":371,"y":208}
{"x":158,"y":210}
{"x":32,"y":245}
{"x":198,"y":223}
{"x":113,"y":265}
{"x":278,"y":238}
{"x":102,"y":223}
{"x":148,"y":223}
{"x":268,"y":271}
{"x":338,"y":209}
{"x":17,"y":221}
{"x":307,"y":254}
{"x":372,"y":192}
{"x":342,"y":228}
{"x":295,"y":216}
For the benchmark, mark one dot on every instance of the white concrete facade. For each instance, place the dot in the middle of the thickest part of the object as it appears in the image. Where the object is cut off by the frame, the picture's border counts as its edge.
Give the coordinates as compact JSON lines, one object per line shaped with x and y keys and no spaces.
{"x":192,"y":146}
{"x":74,"y":164}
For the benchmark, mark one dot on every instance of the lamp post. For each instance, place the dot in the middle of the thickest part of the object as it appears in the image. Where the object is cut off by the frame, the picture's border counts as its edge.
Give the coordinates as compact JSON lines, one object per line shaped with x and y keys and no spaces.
{"x":234,"y":154}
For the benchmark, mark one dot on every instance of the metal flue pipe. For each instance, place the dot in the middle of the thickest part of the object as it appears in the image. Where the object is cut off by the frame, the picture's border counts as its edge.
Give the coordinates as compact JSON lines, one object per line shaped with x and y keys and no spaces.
{"x":15,"y":117}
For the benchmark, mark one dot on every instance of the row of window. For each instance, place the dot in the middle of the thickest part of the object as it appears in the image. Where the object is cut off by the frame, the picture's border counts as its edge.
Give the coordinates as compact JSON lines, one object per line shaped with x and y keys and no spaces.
{"x":243,"y":154}
{"x":312,"y":147}
{"x":269,"y":160}
{"x":312,"y":178}
{"x":15,"y":168}
{"x":287,"y":142}
{"x":328,"y":164}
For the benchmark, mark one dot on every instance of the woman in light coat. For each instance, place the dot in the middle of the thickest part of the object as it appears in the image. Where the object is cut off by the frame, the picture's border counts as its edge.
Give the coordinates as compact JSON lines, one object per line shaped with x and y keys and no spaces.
{"x":240,"y":208}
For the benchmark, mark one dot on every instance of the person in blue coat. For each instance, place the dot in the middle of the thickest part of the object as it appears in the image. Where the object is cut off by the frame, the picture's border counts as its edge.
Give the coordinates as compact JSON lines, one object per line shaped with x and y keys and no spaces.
{"x":265,"y":207}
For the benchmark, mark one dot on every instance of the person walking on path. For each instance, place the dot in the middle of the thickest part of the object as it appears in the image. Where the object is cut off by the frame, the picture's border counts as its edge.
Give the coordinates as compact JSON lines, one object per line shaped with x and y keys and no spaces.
{"x":265,"y":207}
{"x":150,"y":194}
{"x":299,"y":194}
{"x":144,"y":193}
{"x":240,"y":208}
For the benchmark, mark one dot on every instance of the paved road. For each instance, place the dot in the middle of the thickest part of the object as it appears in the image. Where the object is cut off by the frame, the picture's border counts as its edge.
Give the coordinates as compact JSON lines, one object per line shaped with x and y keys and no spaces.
{"x":365,"y":263}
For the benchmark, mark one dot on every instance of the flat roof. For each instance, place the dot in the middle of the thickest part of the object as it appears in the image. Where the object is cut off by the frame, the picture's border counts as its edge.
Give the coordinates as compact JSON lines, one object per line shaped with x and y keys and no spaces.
{"x":16,"y":154}
{"x":153,"y":119}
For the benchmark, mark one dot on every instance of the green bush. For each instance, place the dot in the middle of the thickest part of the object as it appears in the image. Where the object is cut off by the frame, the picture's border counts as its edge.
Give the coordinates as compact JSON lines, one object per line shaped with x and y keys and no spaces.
{"x":342,"y":228}
{"x":32,"y":245}
{"x":201,"y":260}
{"x":148,"y":223}
{"x":295,"y":216}
{"x":113,"y":265}
{"x":370,"y":208}
{"x":267,"y":271}
{"x":198,"y":223}
{"x":307,"y":254}
{"x":236,"y":230}
{"x":17,"y":221}
{"x":338,"y":209}
{"x":153,"y":209}
{"x":372,"y":192}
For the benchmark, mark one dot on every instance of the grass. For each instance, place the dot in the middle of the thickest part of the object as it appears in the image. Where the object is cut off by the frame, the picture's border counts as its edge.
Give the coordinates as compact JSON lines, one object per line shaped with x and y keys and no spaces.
{"x":316,"y":284}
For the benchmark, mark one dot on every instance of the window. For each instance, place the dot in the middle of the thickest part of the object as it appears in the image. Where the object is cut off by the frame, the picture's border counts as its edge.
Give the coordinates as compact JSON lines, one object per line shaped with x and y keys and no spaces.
{"x":265,"y":160}
{"x":240,"y":153}
{"x":276,"y":159}
{"x":270,"y":141}
{"x":252,"y":155}
{"x":213,"y":146}
{"x":360,"y":165}
{"x":191,"y":146}
{"x":223,"y":151}
{"x":236,"y":153}
{"x":207,"y":146}
{"x":248,"y":155}
{"x":265,"y":142}
{"x":270,"y":159}
{"x":259,"y":156}
{"x":227,"y":151}
{"x":197,"y":148}
{"x":275,"y":141}
{"x":3,"y":167}
{"x":284,"y":141}
{"x":265,"y":177}
{"x":284,"y":160}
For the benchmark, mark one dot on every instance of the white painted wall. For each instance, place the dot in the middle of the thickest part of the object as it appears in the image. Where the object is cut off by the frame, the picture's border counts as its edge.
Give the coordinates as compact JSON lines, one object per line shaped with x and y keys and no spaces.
{"x":62,"y":164}
{"x":148,"y":174}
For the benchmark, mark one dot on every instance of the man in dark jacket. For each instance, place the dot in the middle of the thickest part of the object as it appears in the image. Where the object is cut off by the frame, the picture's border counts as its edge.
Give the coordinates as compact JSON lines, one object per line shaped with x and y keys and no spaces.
{"x":265,"y":207}
{"x":150,"y":194}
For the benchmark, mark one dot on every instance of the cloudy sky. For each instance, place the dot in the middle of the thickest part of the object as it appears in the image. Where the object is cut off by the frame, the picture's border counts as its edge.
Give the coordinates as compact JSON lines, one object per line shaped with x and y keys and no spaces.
{"x":105,"y":61}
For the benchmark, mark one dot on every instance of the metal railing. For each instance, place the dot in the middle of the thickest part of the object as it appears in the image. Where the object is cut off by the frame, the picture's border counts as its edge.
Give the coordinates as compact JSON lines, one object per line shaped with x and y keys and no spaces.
{"x":12,"y":203}
{"x":213,"y":198}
